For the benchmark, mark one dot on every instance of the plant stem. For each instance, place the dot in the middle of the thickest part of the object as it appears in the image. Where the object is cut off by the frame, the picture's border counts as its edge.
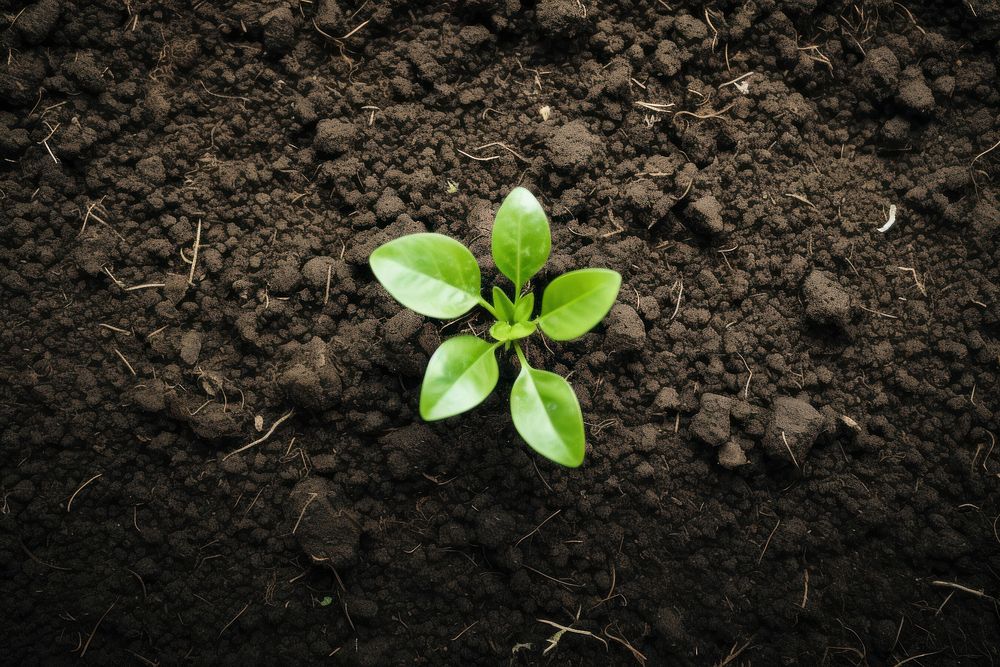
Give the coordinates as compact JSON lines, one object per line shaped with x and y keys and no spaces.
{"x":520,"y":355}
{"x":486,"y":304}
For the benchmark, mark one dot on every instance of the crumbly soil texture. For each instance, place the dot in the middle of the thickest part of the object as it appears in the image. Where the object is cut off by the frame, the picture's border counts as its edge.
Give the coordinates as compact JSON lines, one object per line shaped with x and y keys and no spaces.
{"x":211,"y":448}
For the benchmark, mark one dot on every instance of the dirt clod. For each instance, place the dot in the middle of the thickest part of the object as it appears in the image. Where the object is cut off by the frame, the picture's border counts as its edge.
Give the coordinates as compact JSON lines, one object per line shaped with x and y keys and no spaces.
{"x":711,"y":423}
{"x":792,"y":430}
{"x":37,"y":20}
{"x":667,"y":399}
{"x":880,"y":73}
{"x":326,"y":531}
{"x":301,"y":135}
{"x":572,"y":147}
{"x":334,"y":136}
{"x":625,"y":328}
{"x":667,"y":58}
{"x":705,"y":216}
{"x":560,"y":18}
{"x":914,"y":93}
{"x":826,"y":301}
{"x":311,"y":379}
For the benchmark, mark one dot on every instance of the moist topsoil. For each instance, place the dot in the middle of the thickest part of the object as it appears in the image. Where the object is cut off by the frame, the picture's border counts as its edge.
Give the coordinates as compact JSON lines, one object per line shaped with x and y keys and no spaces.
{"x":791,"y":414}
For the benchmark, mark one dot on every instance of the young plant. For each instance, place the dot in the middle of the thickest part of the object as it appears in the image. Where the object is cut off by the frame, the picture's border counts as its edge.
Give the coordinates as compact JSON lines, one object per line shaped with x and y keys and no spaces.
{"x":437,"y":276}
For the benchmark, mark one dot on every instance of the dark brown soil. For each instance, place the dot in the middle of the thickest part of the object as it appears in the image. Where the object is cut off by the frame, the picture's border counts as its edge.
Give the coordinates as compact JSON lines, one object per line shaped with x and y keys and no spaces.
{"x":791,"y":415}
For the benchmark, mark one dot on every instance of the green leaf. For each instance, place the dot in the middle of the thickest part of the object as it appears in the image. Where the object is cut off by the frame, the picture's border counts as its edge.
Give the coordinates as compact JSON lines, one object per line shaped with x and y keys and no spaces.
{"x":547,"y":414}
{"x":575,"y":302}
{"x":459,"y":376}
{"x":522,"y":329}
{"x":502,"y":331}
{"x":503,"y":305}
{"x":430,"y":273}
{"x":521,"y":237}
{"x":522,"y":311}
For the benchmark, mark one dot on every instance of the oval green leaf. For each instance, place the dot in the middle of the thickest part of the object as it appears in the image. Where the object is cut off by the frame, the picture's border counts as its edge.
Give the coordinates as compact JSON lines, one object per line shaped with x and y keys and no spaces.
{"x":575,"y":302}
{"x":502,"y":331}
{"x":522,"y":311}
{"x":459,"y":376}
{"x":432,"y":274}
{"x":503,"y":305}
{"x":521,"y":237}
{"x":547,"y":414}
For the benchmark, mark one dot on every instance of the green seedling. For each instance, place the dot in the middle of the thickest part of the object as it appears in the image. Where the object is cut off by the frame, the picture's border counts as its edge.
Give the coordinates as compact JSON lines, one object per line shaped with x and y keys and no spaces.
{"x":437,"y":276}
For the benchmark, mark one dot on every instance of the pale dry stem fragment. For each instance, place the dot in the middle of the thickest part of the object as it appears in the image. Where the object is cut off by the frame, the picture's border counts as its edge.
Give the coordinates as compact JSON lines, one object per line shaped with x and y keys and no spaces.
{"x":768,"y":542}
{"x":264,"y":437}
{"x":194,"y":254}
{"x":122,"y":357}
{"x":553,"y":641}
{"x":69,"y":503}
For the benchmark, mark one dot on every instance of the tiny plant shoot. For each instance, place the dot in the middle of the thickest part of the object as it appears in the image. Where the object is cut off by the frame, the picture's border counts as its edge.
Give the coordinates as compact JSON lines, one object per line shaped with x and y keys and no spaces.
{"x":437,"y":276}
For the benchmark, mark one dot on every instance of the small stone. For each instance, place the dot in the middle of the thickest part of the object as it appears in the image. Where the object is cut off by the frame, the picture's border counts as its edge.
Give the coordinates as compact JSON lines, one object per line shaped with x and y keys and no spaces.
{"x":334,"y":137}
{"x":711,"y":423}
{"x":850,"y":423}
{"x":191,"y":347}
{"x":705,"y":216}
{"x":731,"y":455}
{"x":796,"y":423}
{"x":826,"y":301}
